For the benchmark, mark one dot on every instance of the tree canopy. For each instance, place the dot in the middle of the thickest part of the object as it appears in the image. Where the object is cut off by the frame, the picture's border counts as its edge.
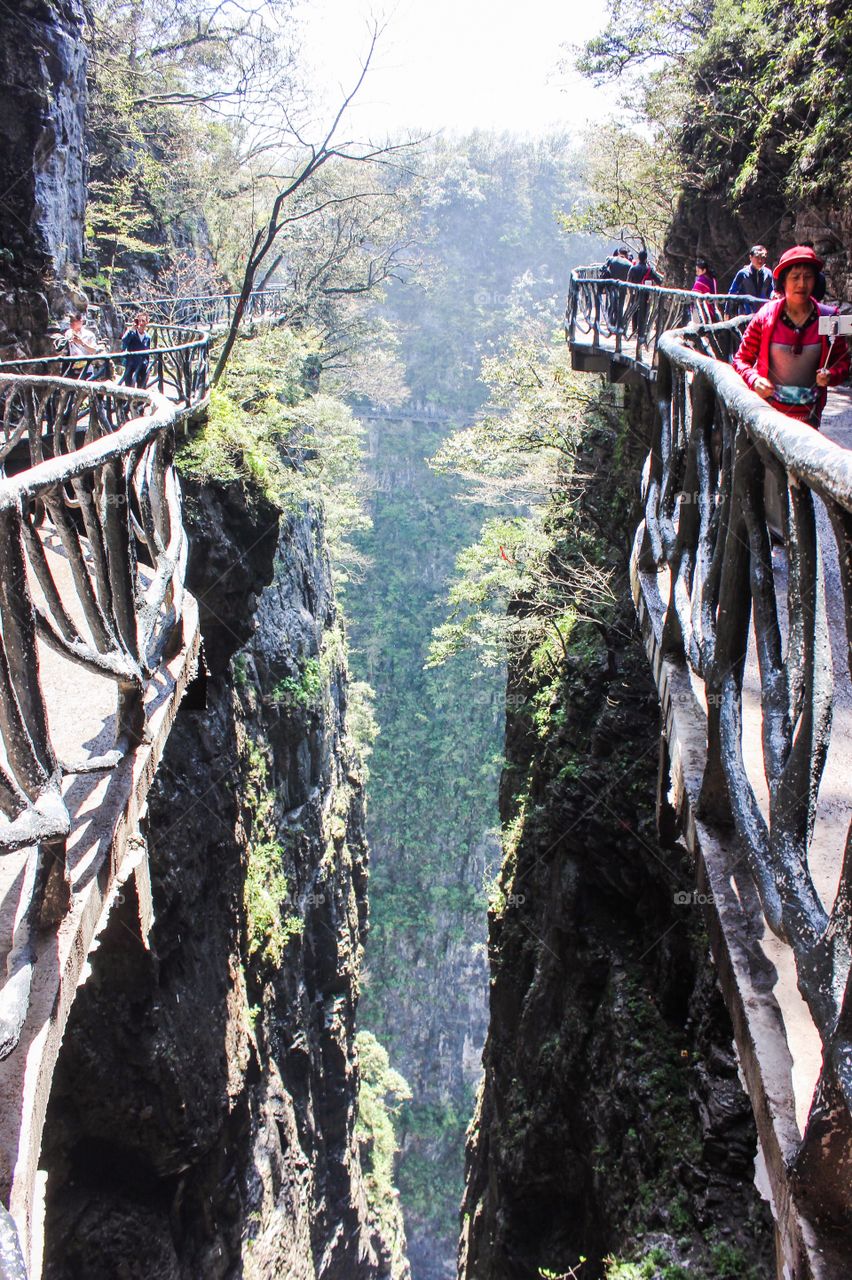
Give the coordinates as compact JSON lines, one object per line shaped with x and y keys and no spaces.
{"x":745,"y":94}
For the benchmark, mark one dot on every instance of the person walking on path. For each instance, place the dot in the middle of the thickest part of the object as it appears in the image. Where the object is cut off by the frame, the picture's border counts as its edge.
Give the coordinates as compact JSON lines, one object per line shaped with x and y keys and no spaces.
{"x":137,"y":342}
{"x":753,"y":281}
{"x":642,"y":273}
{"x":783,"y":356}
{"x":616,"y":267}
{"x":705,"y":282}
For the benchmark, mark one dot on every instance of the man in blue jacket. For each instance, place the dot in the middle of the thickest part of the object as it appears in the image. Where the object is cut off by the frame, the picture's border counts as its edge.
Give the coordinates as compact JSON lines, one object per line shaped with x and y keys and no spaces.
{"x":753,"y":281}
{"x":137,"y":342}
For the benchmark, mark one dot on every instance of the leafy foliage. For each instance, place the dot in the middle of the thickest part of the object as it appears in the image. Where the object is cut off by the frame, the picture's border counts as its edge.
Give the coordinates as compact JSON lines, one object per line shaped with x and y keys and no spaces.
{"x":265,"y":430}
{"x":265,"y":895}
{"x":381,"y":1094}
{"x":520,"y":451}
{"x":632,"y":187}
{"x":249,"y":431}
{"x":172,"y":87}
{"x":749,"y":95}
{"x":303,"y":691}
{"x":204,"y":177}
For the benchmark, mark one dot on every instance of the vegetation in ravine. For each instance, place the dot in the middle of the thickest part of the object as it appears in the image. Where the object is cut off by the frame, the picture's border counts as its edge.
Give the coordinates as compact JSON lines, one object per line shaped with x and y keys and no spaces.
{"x":269,"y":923}
{"x":265,"y":428}
{"x":580,"y":703}
{"x":493,"y":257}
{"x":381,"y":1094}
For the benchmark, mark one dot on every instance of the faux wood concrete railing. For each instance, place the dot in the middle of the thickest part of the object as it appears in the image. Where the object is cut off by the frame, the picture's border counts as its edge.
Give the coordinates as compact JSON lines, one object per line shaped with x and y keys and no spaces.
{"x":742,"y":577}
{"x":98,"y":641}
{"x":626,"y":321}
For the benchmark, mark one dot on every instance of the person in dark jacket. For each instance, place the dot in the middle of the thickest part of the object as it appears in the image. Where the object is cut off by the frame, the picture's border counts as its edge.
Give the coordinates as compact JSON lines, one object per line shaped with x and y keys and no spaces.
{"x":753,"y":281}
{"x":642,"y":273}
{"x":616,"y":267}
{"x":137,"y":342}
{"x":783,"y":356}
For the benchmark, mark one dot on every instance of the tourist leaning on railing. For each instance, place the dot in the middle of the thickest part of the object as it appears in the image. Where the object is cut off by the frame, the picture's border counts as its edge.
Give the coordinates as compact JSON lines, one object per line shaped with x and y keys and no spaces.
{"x":616,"y":267}
{"x":783,"y":356}
{"x":83,"y":344}
{"x":641,"y":272}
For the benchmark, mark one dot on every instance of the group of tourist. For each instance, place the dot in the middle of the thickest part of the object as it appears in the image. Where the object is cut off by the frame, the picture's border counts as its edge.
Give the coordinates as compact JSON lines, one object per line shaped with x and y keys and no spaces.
{"x":81,"y":343}
{"x":631,"y":269}
{"x":782,"y":355}
{"x":753,"y":284}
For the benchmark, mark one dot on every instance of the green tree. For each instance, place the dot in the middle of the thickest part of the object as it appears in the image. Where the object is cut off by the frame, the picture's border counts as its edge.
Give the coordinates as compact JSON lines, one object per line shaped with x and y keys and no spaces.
{"x":750,"y":96}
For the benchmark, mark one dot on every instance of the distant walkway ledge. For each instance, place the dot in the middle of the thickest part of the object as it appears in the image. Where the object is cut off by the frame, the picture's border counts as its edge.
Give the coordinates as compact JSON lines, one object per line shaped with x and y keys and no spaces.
{"x":742,"y":580}
{"x":99,"y":640}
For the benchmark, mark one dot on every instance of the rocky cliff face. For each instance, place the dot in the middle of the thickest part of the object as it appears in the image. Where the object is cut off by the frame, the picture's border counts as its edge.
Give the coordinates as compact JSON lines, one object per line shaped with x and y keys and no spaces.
{"x":705,"y":223}
{"x":42,"y":165}
{"x":202,"y":1121}
{"x":611,"y":1120}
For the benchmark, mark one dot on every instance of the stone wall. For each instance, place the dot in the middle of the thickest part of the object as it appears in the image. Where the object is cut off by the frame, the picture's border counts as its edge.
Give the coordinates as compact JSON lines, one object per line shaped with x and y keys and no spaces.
{"x":705,"y":223}
{"x":42,"y":166}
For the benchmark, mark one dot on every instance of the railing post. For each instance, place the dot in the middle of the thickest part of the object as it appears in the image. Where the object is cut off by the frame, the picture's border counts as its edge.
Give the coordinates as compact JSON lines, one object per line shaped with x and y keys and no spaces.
{"x":620,"y":314}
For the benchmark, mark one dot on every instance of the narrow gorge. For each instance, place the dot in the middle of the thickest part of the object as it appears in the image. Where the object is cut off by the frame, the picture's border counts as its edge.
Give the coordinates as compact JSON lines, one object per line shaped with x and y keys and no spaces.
{"x":374,"y":926}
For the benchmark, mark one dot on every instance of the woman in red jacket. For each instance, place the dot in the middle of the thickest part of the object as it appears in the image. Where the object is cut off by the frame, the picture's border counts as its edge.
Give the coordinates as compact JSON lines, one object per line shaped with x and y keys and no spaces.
{"x":783,"y":356}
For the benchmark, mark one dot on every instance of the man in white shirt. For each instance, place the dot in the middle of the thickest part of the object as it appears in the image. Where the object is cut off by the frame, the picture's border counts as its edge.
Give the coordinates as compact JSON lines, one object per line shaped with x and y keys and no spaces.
{"x":83,"y":344}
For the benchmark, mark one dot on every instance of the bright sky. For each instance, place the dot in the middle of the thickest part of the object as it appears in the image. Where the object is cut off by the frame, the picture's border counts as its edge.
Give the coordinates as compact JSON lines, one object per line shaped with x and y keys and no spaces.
{"x":457,"y":65}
